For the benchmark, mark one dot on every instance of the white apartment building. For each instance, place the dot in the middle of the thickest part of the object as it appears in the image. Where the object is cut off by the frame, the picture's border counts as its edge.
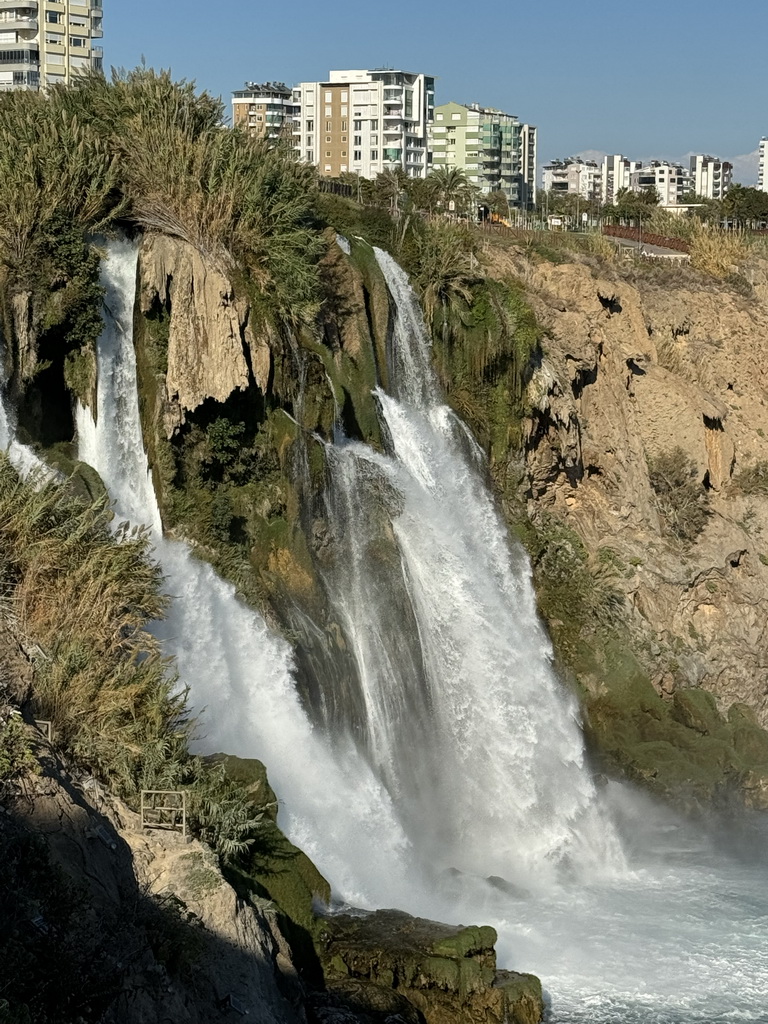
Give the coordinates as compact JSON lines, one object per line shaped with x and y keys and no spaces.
{"x":572,"y":177}
{"x":671,"y":181}
{"x":711,"y":177}
{"x":762,"y":164}
{"x":615,"y":174}
{"x":47,"y":42}
{"x":363,"y":122}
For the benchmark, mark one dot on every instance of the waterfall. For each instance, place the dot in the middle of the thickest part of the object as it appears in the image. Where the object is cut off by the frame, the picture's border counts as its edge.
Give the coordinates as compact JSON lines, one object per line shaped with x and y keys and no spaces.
{"x":466,"y":752}
{"x":240,"y":675}
{"x":467,"y":724}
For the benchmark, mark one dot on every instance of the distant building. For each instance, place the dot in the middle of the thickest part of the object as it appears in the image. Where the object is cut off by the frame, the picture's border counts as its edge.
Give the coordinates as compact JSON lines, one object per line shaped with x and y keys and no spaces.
{"x":364,"y":122}
{"x":496,"y":152}
{"x":616,"y":174}
{"x":671,"y":181}
{"x":48,"y":42}
{"x":711,"y":177}
{"x":762,"y":164}
{"x":573,"y":177}
{"x":267,"y":110}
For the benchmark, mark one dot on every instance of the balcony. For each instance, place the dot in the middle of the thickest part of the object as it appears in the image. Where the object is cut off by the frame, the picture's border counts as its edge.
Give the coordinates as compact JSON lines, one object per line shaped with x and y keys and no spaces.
{"x":21,"y":24}
{"x":13,"y":5}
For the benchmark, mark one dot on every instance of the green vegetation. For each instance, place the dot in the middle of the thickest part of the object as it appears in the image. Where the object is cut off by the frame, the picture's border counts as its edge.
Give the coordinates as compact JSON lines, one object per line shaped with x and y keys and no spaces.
{"x":680,"y":499}
{"x":86,"y":597}
{"x":752,"y":479}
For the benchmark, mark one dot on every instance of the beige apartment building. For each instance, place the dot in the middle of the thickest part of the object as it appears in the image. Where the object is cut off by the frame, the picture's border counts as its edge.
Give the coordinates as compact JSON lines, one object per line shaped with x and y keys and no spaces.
{"x":363,"y":122}
{"x":47,"y":42}
{"x":267,"y":110}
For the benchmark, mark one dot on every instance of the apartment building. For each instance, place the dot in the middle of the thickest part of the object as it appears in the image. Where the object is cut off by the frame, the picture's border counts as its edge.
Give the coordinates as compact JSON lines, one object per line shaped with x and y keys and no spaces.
{"x":671,"y":181}
{"x":762,"y":164}
{"x":711,"y":177}
{"x":616,"y":174}
{"x":364,"y":122}
{"x":573,"y":176}
{"x":494,"y":149}
{"x":47,"y":42}
{"x":267,"y":110}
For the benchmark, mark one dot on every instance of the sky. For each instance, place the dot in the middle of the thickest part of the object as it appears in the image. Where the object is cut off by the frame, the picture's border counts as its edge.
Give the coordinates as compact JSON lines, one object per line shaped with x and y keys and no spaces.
{"x":657,"y":80}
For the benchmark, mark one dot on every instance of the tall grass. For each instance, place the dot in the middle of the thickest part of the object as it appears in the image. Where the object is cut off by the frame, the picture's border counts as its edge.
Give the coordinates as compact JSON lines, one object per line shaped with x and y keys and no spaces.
{"x":153,"y":152}
{"x":85,"y":597}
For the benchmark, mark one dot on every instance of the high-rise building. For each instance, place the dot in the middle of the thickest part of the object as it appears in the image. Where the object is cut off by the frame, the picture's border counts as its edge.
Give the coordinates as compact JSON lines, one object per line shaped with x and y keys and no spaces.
{"x":711,"y":177}
{"x":497,"y":152}
{"x":671,"y":181}
{"x":364,"y":122}
{"x":615,"y":175}
{"x":267,"y":110}
{"x":573,"y":176}
{"x":762,"y":164}
{"x":46,"y":42}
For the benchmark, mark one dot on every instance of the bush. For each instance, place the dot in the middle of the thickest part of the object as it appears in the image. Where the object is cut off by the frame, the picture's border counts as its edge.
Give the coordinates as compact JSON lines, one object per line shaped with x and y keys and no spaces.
{"x":753,"y":479}
{"x":680,"y":499}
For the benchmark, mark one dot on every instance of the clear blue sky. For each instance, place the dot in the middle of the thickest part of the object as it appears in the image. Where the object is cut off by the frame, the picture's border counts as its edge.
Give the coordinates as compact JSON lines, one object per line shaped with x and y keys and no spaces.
{"x":657,"y":79}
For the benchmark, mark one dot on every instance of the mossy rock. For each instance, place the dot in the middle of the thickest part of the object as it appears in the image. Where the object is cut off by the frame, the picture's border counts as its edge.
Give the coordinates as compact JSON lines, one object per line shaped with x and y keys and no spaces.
{"x":448,"y":973}
{"x":523,"y":996}
{"x":696,"y":709}
{"x":251,"y":775}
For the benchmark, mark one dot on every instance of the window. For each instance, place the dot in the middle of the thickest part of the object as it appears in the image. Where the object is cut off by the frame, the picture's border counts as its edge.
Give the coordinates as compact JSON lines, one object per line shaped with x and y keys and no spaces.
{"x":344,"y":111}
{"x":343,"y":138}
{"x":357,"y":155}
{"x":343,"y":152}
{"x":358,"y":140}
{"x":309,"y":155}
{"x":374,"y":140}
{"x":77,"y":41}
{"x":358,"y":125}
{"x":328,"y":111}
{"x":327,"y":167}
{"x":438,"y":117}
{"x":344,"y":125}
{"x":374,"y":154}
{"x":327,"y":154}
{"x":344,"y":97}
{"x":328,"y":97}
{"x":53,"y":17}
{"x":374,"y":125}
{"x":54,"y":38}
{"x":310,"y":125}
{"x":455,"y":117}
{"x":343,"y":167}
{"x":327,"y":138}
{"x":327,"y":126}
{"x":310,"y":140}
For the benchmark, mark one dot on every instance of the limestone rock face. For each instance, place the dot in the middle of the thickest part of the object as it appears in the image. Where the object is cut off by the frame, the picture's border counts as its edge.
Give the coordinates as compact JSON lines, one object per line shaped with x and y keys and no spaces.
{"x":415,"y":970}
{"x":634,"y":369}
{"x":159,"y":910}
{"x":206,"y":355}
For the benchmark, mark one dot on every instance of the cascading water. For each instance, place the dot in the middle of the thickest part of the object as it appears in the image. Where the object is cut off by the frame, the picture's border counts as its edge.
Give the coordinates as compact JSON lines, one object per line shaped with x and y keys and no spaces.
{"x":473,"y":756}
{"x":239,"y":674}
{"x":466,"y":720}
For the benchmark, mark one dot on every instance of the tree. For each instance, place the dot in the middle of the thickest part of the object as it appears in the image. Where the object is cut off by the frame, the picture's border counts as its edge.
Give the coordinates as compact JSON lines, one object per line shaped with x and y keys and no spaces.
{"x":745,"y":206}
{"x":636,"y":205}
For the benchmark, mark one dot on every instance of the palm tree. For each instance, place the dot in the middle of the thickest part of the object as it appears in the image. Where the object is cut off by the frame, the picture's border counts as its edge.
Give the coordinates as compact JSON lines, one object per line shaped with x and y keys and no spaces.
{"x":452,"y":187}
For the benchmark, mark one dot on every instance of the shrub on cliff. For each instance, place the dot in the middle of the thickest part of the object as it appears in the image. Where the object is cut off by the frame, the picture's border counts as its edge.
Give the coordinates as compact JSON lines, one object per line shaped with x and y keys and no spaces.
{"x":680,"y":499}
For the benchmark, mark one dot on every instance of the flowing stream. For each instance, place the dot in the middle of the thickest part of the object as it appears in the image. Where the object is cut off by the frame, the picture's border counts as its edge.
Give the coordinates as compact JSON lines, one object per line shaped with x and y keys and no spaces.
{"x":464,"y":795}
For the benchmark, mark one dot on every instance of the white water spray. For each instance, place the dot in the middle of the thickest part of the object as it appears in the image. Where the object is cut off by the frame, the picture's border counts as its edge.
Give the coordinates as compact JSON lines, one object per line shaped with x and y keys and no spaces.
{"x":239,"y":673}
